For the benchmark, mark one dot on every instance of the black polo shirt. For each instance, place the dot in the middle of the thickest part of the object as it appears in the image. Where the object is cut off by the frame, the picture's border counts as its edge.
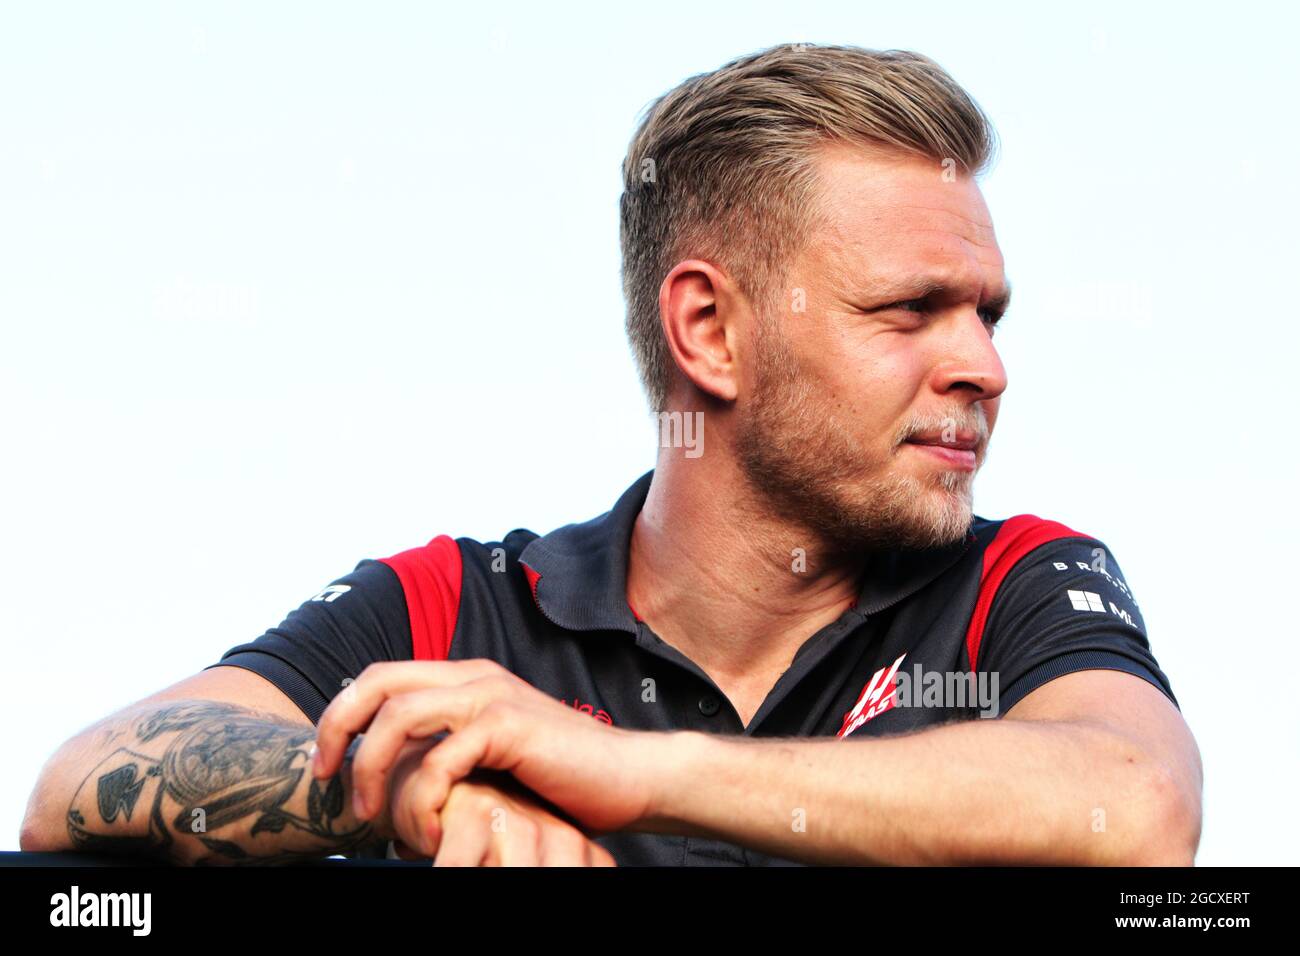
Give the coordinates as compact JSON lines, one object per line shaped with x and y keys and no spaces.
{"x":956,"y":633}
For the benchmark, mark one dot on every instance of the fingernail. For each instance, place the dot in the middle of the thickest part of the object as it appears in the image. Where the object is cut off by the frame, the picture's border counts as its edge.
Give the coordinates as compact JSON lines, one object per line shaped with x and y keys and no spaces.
{"x":315,"y":760}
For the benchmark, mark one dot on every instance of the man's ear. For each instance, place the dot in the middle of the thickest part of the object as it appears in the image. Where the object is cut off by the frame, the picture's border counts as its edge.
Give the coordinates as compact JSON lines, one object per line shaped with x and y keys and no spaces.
{"x":700,"y":308}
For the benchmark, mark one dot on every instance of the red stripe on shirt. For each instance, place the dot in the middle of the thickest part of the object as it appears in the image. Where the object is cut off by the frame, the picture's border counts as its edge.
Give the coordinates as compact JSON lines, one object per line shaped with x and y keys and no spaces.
{"x":1015,"y":539}
{"x":431,"y":579}
{"x":533,"y":577}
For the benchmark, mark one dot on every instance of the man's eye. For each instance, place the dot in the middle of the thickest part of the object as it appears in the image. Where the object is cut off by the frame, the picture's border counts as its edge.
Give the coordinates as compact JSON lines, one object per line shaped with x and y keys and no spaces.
{"x":911,"y":305}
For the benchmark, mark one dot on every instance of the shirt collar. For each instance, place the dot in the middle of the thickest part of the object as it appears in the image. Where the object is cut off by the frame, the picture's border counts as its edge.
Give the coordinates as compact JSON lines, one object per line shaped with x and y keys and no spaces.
{"x":580,"y":570}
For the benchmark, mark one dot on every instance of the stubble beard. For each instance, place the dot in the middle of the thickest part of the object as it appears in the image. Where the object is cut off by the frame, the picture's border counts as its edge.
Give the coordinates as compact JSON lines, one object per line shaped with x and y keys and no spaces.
{"x":810,"y":470}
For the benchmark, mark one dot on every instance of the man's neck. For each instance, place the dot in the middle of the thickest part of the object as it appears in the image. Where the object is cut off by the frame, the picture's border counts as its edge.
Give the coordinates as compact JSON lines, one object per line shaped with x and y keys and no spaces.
{"x":732,"y":586}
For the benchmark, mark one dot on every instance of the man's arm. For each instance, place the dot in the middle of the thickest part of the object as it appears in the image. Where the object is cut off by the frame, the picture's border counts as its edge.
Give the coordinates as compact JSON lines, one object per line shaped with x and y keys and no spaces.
{"x":186,"y":778}
{"x":1095,"y":767}
{"x":190,"y":779}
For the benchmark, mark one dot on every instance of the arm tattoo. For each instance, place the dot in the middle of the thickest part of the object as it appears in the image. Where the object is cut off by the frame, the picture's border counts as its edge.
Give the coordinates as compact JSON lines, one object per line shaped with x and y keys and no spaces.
{"x":226,"y":767}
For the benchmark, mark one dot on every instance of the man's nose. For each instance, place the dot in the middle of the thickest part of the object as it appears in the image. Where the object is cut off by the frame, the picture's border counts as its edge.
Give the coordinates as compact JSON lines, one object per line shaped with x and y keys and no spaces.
{"x":969,"y":360}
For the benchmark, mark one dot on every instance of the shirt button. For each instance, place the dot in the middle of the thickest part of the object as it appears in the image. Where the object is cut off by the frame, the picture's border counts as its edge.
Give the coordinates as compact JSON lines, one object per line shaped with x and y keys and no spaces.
{"x":709,"y":705}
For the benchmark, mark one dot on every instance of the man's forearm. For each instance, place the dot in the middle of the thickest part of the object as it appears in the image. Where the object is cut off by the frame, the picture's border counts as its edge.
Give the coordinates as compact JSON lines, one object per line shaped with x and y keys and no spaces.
{"x":195,"y":782}
{"x":976,"y":792}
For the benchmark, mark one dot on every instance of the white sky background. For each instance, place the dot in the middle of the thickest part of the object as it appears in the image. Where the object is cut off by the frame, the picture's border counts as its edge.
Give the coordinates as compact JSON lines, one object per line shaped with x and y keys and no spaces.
{"x":284,"y":287}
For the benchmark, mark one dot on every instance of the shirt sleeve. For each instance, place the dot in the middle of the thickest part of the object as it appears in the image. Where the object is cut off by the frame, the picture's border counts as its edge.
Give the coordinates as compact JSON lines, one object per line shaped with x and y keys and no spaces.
{"x":1064,"y":607}
{"x":357,"y":620}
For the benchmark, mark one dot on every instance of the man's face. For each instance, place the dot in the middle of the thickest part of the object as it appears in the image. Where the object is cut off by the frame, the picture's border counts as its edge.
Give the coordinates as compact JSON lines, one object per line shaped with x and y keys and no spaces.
{"x":869,"y":412}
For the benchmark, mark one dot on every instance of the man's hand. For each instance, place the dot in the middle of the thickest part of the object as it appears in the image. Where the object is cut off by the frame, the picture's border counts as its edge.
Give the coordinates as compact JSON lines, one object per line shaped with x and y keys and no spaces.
{"x":487,"y":820}
{"x":600,"y":775}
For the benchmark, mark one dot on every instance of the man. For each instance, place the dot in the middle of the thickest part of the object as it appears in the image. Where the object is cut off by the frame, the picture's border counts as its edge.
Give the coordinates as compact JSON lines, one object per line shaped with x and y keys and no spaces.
{"x":791,"y":642}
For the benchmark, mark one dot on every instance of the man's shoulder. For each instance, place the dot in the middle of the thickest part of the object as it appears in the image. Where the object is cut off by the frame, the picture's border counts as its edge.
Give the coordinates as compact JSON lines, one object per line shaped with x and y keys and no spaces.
{"x":444,"y":565}
{"x":444,"y":549}
{"x":1023,"y":532}
{"x":1035,"y":551}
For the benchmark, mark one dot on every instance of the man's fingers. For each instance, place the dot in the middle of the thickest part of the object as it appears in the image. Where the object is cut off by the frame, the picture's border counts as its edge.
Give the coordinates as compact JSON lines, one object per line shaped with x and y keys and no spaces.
{"x":422,"y":798}
{"x":465,"y":842}
{"x":482,"y":825}
{"x":562,"y":845}
{"x":417,"y":714}
{"x":454,"y":758}
{"x":352,"y":709}
{"x":516,"y":838}
{"x":421,"y":802}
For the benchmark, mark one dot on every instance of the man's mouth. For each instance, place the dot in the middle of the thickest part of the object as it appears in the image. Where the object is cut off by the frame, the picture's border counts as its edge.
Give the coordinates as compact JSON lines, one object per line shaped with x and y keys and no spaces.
{"x":962,"y":439}
{"x":959,"y":452}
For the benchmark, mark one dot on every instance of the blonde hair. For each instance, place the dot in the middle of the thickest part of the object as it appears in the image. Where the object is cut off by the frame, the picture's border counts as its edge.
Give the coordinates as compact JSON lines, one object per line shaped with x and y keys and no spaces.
{"x":722,"y":167}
